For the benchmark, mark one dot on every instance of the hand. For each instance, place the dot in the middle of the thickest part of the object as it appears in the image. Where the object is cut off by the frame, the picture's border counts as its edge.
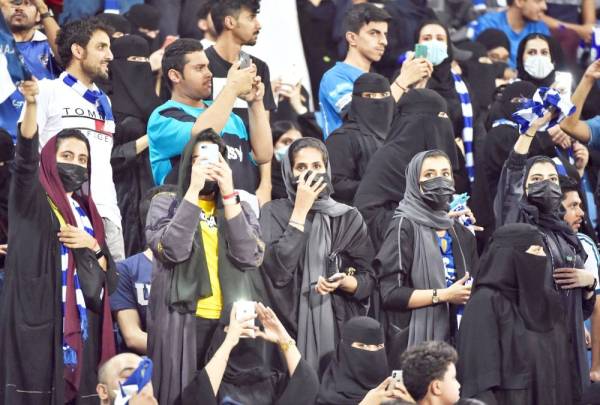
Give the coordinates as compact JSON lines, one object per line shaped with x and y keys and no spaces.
{"x":30,"y":90}
{"x":221,"y":173}
{"x":559,"y":137}
{"x":585,"y":32}
{"x":306,"y":194}
{"x":274,"y":331}
{"x":593,"y":71}
{"x":198,"y":177}
{"x":3,"y":250}
{"x":414,"y":71}
{"x":470,"y":215}
{"x":383,"y":392}
{"x":294,"y":95}
{"x":325,"y":287}
{"x":155,"y":60}
{"x":458,"y":293}
{"x":144,"y":397}
{"x":588,"y":338}
{"x":238,"y":327}
{"x":543,"y":120}
{"x":241,"y":80}
{"x":568,"y":278}
{"x":75,"y":238}
{"x":582,"y":156}
{"x":257,"y":93}
{"x":595,"y":374}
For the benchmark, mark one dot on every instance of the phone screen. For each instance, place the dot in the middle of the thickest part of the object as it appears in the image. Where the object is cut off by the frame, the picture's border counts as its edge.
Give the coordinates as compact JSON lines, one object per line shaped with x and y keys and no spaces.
{"x":420,"y":51}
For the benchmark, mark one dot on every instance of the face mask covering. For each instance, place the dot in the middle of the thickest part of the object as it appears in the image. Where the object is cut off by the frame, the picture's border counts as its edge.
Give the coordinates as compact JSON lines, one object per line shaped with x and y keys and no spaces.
{"x":437,"y":193}
{"x":209,"y":187}
{"x":539,"y":66}
{"x":437,"y":51}
{"x":500,"y":67}
{"x":281,"y":152}
{"x":72,"y":176}
{"x":545,"y":195}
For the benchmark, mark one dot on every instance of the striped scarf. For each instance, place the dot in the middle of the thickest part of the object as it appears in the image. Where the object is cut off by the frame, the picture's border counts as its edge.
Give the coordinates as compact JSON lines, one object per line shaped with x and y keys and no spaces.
{"x":588,"y":53}
{"x":467,"y":132}
{"x":543,"y":99}
{"x":69,"y":354}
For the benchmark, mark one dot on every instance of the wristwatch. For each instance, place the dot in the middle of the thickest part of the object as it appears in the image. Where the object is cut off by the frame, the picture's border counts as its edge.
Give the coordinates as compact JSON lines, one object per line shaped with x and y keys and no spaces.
{"x":436,"y":297}
{"x":47,"y":14}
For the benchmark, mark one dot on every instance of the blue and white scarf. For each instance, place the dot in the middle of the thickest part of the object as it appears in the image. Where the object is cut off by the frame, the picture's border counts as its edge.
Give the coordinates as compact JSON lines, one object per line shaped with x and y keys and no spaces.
{"x":467,"y":132}
{"x":69,"y":354}
{"x":543,"y":99}
{"x":112,"y":7}
{"x":588,"y":53}
{"x":136,"y":382}
{"x":96,"y":97}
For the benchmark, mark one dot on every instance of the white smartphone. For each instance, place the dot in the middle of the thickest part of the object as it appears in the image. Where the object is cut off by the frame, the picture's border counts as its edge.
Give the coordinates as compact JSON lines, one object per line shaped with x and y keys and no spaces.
{"x":564,"y":83}
{"x":244,"y":309}
{"x":336,"y":277}
{"x":245,"y":60}
{"x":397,"y":376}
{"x":209,"y":153}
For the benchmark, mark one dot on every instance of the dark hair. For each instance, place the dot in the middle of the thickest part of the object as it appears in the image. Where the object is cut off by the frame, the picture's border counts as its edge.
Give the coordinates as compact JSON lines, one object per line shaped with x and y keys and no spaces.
{"x":210,"y":135}
{"x":78,"y":32}
{"x":362,"y":14}
{"x":175,"y":56}
{"x":436,"y":153}
{"x":231,"y":8}
{"x":278,"y":128}
{"x":71,"y":133}
{"x":205,"y":9}
{"x":147,"y":200}
{"x":567,"y":185}
{"x":424,"y":363}
{"x":304,"y":143}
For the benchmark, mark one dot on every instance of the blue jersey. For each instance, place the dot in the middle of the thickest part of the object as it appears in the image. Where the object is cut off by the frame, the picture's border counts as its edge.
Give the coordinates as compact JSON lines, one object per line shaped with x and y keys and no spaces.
{"x":38,"y":58}
{"x":169,"y":130}
{"x":499,"y":21}
{"x":335,"y":93}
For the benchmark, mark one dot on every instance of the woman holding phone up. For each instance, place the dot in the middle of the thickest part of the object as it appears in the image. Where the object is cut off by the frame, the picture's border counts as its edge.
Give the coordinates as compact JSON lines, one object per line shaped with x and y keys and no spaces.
{"x":317,"y":267}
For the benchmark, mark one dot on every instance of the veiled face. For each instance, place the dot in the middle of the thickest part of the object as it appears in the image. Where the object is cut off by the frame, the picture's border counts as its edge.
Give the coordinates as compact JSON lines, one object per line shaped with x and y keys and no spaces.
{"x":367,"y":347}
{"x":541,"y":171}
{"x":433,"y":32}
{"x":72,"y":150}
{"x":535,"y":47}
{"x":308,"y":159}
{"x":435,"y":166}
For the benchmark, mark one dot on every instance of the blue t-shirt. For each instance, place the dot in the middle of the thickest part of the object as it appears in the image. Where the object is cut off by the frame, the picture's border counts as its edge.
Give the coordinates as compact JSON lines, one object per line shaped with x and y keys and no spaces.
{"x":498,"y":20}
{"x":42,"y":65}
{"x":335,"y":92}
{"x":133,"y":289}
{"x":594,"y":125}
{"x":169,"y":130}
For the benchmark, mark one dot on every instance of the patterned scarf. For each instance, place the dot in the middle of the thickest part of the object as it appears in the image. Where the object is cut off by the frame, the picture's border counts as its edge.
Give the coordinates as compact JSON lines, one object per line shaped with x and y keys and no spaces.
{"x":467,"y":132}
{"x":95,"y":97}
{"x":544,"y":99}
{"x":69,"y":354}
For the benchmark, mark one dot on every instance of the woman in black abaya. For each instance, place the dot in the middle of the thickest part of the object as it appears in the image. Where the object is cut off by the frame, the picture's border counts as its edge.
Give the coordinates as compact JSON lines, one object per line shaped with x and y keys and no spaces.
{"x":421,"y":123}
{"x":133,"y":100}
{"x":517,"y":315}
{"x":359,"y":365}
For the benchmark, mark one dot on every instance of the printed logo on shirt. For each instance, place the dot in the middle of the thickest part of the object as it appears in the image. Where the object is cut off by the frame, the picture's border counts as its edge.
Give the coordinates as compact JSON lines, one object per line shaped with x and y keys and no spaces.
{"x":234,"y":153}
{"x":209,"y":220}
{"x":142,"y":293}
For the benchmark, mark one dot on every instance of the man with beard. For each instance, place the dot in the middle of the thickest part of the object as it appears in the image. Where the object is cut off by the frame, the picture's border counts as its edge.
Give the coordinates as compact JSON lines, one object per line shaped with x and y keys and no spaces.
{"x":186,"y":71}
{"x":236,"y":24}
{"x":38,"y":50}
{"x":74,"y":101}
{"x":366,"y":28}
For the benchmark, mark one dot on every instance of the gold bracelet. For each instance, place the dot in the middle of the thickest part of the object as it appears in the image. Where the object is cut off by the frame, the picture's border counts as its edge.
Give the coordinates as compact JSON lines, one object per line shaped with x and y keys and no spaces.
{"x":401,"y":88}
{"x":286,"y":345}
{"x":529,"y":136}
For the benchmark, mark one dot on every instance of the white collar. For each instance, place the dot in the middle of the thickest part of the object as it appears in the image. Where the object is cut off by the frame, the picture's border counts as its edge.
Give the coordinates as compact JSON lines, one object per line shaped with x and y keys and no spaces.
{"x":38,"y":36}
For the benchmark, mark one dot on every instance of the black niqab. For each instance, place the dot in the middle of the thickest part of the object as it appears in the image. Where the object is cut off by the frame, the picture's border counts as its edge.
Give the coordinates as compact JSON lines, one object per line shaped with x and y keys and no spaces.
{"x":116,"y":22}
{"x":519,"y":276}
{"x":523,"y":75}
{"x":373,"y":116}
{"x":132,"y":82}
{"x":508,"y":100}
{"x":353,"y":372}
{"x":493,"y":38}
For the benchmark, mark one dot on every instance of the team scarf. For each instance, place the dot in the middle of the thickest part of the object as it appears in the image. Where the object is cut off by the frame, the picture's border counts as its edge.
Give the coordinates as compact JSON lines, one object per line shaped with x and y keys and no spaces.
{"x":588,"y":53}
{"x":141,"y":376}
{"x":111,"y":6}
{"x":543,"y":100}
{"x":96,"y":97}
{"x":70,"y":354}
{"x":467,"y":131}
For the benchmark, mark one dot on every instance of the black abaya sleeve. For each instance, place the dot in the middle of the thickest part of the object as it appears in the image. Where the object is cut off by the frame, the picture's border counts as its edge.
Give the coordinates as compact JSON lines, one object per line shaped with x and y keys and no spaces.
{"x":510,"y":190}
{"x":392,"y":271}
{"x":25,"y":176}
{"x":344,"y":170}
{"x":199,"y":390}
{"x":123,"y":157}
{"x":301,"y":388}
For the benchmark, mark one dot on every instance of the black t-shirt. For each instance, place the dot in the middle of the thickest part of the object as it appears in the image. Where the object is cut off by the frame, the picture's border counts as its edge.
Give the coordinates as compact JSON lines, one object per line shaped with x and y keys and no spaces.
{"x":219,"y":68}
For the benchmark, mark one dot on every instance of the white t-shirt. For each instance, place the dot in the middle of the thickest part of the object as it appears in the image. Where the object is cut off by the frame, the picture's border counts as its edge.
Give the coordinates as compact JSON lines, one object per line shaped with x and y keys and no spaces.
{"x":593,"y":257}
{"x":59,"y":107}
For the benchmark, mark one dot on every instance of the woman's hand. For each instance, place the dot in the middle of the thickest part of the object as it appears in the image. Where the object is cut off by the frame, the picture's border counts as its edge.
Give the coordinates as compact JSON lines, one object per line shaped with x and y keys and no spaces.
{"x":325,"y":287}
{"x":568,"y":278}
{"x":458,"y":293}
{"x":30,"y":90}
{"x":274,"y":331}
{"x":238,"y":327}
{"x":75,"y":238}
{"x":307,"y":194}
{"x":221,"y":173}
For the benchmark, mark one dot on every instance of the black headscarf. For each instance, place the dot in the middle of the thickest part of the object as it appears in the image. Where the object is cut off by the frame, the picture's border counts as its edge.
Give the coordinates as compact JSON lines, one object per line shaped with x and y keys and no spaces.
{"x":373,"y":116}
{"x":353,"y":372}
{"x":441,"y":78}
{"x":132,"y":82}
{"x":493,"y":38}
{"x":7,"y":154}
{"x":116,"y":22}
{"x":506,"y":100}
{"x":519,"y":276}
{"x":523,"y":75}
{"x":147,"y":17}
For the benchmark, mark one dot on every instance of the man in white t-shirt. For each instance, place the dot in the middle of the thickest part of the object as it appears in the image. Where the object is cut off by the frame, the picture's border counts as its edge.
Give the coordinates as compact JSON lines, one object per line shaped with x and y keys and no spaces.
{"x":74,"y":101}
{"x":574,"y":216}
